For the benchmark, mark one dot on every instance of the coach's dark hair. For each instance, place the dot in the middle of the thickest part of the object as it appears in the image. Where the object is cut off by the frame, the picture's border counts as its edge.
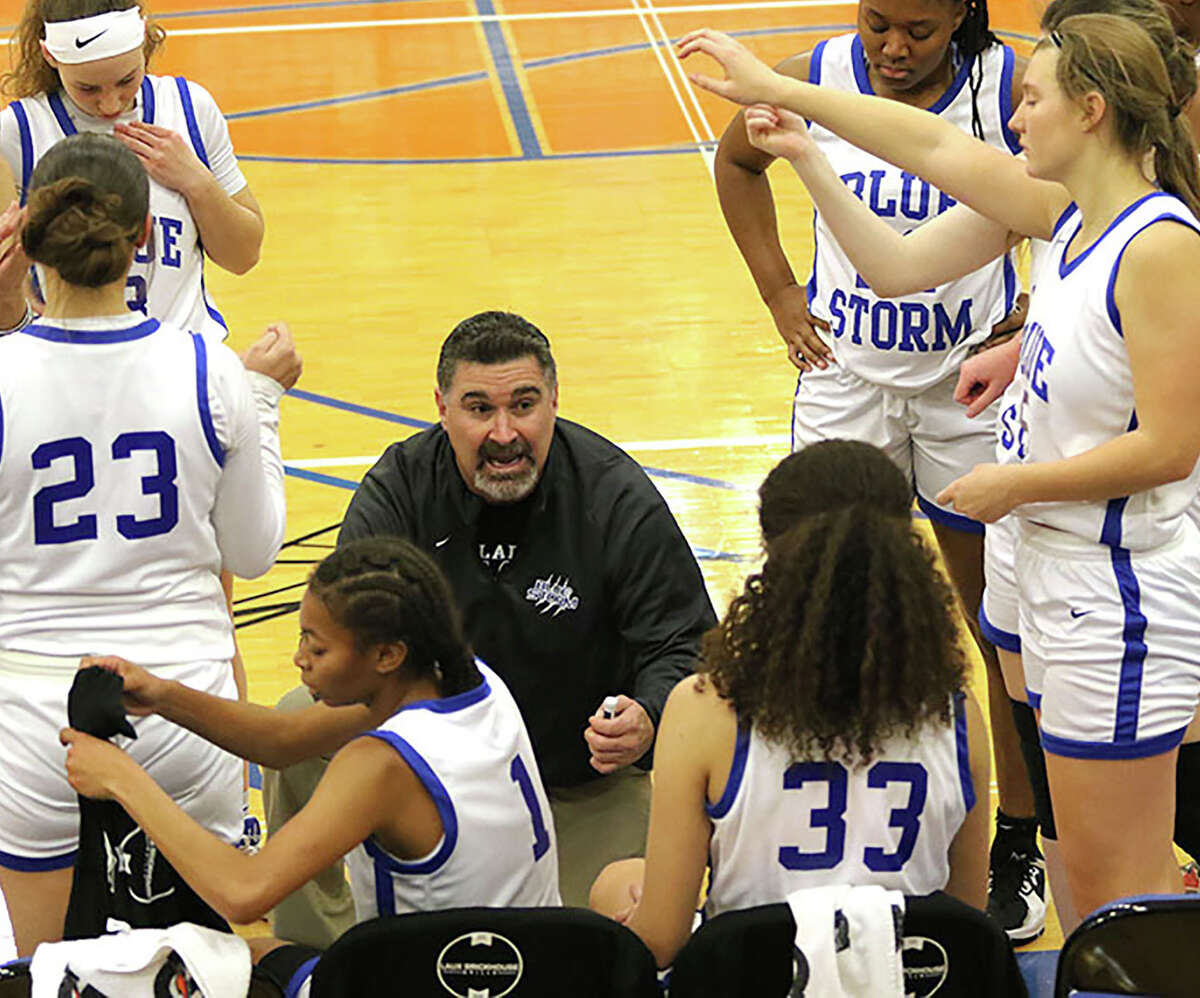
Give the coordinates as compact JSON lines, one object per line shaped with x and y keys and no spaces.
{"x":32,"y":74}
{"x":828,"y":476}
{"x":847,"y":637}
{"x":383,"y":590}
{"x":494,"y":338}
{"x":88,"y":200}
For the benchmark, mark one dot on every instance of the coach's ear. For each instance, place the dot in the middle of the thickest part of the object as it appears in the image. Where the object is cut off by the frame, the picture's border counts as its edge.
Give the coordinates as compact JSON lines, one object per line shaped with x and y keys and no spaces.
{"x":145,"y":236}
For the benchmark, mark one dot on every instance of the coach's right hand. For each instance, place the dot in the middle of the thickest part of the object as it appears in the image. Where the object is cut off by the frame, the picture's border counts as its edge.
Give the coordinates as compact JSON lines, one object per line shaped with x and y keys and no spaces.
{"x":143,"y":691}
{"x":798,"y":328}
{"x":274,"y":354}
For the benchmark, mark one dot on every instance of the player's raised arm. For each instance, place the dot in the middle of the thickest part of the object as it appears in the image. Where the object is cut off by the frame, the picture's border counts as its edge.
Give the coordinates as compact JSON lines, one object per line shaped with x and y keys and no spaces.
{"x":947,"y":247}
{"x":989,"y":180}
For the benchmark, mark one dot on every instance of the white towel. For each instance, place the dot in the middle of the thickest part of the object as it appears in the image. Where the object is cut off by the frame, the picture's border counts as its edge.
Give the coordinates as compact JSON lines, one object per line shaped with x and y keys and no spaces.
{"x":871,"y":966}
{"x":124,"y":965}
{"x":846,"y":942}
{"x":815,"y":959}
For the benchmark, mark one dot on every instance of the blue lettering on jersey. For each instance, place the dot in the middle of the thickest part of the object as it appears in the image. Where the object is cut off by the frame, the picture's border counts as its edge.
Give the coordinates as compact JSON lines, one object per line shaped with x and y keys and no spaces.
{"x":1037,"y":353}
{"x":1012,"y":431}
{"x":172,"y":228}
{"x":908,"y":184}
{"x":884,"y":209}
{"x":899,"y":326}
{"x":160,"y":485}
{"x":915,"y":194}
{"x":169,"y":229}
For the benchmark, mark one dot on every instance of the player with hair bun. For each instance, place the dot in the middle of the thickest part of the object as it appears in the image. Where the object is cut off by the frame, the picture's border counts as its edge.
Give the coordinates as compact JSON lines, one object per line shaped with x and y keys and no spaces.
{"x":136,"y":460}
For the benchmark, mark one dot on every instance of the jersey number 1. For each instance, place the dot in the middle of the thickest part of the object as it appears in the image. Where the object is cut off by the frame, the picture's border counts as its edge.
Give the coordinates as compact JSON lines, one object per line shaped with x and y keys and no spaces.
{"x":79,"y":452}
{"x":520,"y":776}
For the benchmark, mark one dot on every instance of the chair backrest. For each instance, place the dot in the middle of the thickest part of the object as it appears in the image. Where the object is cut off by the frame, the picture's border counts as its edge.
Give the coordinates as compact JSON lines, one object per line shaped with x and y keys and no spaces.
{"x":950,"y":949}
{"x":488,"y":953}
{"x":1135,"y":946}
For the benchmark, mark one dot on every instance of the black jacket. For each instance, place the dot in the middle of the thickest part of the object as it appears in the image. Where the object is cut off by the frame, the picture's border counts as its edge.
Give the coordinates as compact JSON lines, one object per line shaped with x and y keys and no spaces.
{"x":604,"y":595}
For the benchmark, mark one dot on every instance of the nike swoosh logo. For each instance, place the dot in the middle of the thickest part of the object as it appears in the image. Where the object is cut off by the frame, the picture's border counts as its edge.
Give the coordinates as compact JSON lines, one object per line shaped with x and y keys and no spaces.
{"x":83,"y":42}
{"x":438,"y":544}
{"x":1080,"y":613}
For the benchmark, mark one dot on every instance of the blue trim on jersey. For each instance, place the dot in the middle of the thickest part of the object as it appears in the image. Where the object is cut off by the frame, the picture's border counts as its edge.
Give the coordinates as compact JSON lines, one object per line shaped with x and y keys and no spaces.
{"x":1062,"y":219}
{"x":1065,"y":268}
{"x":1035,"y":699}
{"x":737,"y":770}
{"x":858,"y":61}
{"x":955,"y":521}
{"x":189,"y":114}
{"x":1000,"y":638}
{"x":964,"y":750}
{"x":1010,"y":283}
{"x":26,"y":147}
{"x":814,"y":63}
{"x":1011,"y":139}
{"x":1110,"y":531}
{"x":61,"y":115}
{"x":147,"y":101}
{"x":811,"y":286}
{"x":206,"y":421}
{"x":87,"y":337}
{"x":1129,"y":687}
{"x":209,"y":307}
{"x":300,"y":977}
{"x":1073,"y":749}
{"x":449,"y":705}
{"x":1110,"y":299}
{"x":441,"y":799}
{"x":27,"y":864}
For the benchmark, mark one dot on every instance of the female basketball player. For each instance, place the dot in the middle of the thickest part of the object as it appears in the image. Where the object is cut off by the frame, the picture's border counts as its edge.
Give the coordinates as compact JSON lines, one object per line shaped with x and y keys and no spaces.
{"x":441,"y":806}
{"x":826,"y":739}
{"x":1106,"y":555}
{"x":884,"y":371}
{"x":136,"y":460}
{"x":81,"y":67}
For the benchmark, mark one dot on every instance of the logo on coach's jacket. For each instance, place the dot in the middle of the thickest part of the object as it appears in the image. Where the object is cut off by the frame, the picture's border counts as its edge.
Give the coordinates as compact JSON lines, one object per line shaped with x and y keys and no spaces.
{"x":552,"y":593}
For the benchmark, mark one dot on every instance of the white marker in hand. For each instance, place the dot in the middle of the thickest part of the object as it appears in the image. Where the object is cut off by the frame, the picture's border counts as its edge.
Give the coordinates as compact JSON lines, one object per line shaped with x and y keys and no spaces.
{"x":608,"y":709}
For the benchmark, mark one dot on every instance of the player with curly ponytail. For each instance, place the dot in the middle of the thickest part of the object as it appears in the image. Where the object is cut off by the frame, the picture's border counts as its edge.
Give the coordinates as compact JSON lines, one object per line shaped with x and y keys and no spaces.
{"x":839,"y":659}
{"x":438,"y":801}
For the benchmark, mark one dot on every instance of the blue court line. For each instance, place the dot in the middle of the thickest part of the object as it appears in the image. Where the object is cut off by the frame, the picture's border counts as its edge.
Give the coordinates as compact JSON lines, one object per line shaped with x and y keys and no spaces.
{"x":531,"y":148}
{"x":455,"y":160}
{"x":361,"y":410}
{"x":316,"y":476}
{"x":270,"y":8}
{"x":404,"y":88}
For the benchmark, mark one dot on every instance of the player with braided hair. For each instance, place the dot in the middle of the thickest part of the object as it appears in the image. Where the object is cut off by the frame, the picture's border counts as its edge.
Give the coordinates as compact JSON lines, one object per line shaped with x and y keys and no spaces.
{"x":884,"y":371}
{"x":437,"y":805}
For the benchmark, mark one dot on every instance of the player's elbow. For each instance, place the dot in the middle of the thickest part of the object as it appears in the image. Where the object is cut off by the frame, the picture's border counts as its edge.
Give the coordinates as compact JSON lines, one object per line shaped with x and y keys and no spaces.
{"x":243,"y":901}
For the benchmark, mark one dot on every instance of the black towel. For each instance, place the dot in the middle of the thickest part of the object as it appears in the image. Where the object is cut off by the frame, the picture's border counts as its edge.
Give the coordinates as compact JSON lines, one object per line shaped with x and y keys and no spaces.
{"x":119,"y":872}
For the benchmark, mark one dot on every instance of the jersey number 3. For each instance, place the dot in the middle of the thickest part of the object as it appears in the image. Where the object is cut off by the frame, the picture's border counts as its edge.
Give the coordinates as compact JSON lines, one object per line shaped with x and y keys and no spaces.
{"x":832,"y":817}
{"x":84,"y":527}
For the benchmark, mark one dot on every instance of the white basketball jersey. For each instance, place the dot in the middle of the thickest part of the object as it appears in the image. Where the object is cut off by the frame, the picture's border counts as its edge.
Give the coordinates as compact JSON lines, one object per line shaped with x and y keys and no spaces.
{"x":1075,"y":384}
{"x":916,"y":341}
{"x":166,"y":281}
{"x":473,"y":754}
{"x":783,"y":825}
{"x":109,"y":464}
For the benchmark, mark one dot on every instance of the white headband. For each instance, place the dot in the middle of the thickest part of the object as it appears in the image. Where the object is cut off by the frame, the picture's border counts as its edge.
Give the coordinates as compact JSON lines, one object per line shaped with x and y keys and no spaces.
{"x":87,"y":39}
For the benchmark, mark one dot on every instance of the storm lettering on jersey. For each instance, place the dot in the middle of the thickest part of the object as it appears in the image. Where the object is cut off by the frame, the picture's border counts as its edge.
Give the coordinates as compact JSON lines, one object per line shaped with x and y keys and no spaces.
{"x":906,"y":326}
{"x":1037,"y":353}
{"x":903,"y":326}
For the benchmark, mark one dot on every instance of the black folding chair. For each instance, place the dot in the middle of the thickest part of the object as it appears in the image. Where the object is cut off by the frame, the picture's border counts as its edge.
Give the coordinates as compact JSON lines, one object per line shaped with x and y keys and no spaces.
{"x":950,"y":949}
{"x":488,"y":952}
{"x":1135,"y":946}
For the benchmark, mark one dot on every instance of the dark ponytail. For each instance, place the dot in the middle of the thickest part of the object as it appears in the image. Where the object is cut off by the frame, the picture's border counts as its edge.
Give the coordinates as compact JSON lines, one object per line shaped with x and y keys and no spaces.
{"x":383,"y":590}
{"x":88,"y":200}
